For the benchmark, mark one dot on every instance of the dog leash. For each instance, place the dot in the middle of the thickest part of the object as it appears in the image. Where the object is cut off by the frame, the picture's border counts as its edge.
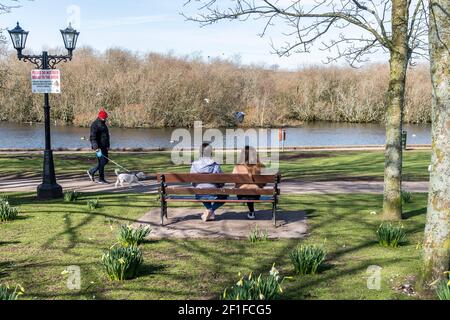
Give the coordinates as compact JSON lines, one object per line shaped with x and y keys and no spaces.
{"x":116,"y":164}
{"x":112,"y":161}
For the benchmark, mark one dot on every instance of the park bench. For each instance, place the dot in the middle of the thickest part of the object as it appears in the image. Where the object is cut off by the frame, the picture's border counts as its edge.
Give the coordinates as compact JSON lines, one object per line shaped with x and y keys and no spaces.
{"x":176,"y":187}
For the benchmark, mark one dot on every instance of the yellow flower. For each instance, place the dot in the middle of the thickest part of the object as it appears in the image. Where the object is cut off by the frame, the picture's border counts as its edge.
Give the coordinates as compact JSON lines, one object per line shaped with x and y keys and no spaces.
{"x":65,"y":272}
{"x":261,"y":297}
{"x":240,"y":283}
{"x":122,"y":261}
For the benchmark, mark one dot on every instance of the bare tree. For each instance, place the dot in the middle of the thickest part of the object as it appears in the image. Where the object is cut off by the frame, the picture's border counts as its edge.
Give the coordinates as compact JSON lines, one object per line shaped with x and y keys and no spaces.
{"x":397,"y":27}
{"x":5,"y":7}
{"x":437,"y":231}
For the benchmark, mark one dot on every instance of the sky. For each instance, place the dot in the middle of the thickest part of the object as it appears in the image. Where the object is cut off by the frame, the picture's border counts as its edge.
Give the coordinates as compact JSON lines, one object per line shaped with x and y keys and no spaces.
{"x":155,"y":26}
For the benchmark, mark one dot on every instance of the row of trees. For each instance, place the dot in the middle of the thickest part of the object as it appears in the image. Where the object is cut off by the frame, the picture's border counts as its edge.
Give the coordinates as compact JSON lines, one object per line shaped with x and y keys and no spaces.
{"x":3,"y":68}
{"x":169,"y":91}
{"x":401,"y":28}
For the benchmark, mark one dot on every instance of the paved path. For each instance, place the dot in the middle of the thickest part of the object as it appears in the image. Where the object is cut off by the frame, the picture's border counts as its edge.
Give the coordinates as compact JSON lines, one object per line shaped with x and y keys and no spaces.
{"x":160,"y":150}
{"x":185,"y":223}
{"x":151,"y":187}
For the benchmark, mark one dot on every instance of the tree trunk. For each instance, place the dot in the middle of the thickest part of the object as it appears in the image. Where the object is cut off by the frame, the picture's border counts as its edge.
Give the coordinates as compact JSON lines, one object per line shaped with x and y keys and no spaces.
{"x":437,"y":231}
{"x":392,"y":205}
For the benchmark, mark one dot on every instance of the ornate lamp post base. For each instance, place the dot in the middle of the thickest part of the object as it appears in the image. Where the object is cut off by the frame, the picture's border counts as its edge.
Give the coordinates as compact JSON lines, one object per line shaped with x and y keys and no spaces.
{"x":49,"y":189}
{"x":49,"y":192}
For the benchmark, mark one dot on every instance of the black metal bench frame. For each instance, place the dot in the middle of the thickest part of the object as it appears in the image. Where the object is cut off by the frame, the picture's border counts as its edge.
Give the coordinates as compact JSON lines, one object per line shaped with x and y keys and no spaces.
{"x":169,"y":192}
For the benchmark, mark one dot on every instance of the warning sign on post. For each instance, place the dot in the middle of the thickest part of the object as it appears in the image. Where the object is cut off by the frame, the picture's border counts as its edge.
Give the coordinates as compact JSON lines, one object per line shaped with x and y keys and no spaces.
{"x":46,"y":81}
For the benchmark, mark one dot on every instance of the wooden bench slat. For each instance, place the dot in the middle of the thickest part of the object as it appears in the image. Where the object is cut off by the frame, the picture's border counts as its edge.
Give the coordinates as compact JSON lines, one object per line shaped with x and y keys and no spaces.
{"x":217,"y":178}
{"x":230,"y":200}
{"x":221,"y":191}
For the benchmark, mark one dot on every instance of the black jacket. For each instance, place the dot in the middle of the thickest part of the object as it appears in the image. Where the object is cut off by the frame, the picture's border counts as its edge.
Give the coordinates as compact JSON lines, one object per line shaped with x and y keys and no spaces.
{"x":99,"y":135}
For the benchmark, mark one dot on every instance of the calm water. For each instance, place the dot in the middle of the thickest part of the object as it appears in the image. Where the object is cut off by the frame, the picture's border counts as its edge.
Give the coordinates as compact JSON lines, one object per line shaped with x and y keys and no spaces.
{"x":316,"y":134}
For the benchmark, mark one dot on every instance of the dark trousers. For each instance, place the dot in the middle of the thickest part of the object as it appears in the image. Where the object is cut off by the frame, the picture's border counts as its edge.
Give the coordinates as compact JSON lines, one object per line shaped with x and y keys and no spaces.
{"x":250,"y":205}
{"x":100,"y":167}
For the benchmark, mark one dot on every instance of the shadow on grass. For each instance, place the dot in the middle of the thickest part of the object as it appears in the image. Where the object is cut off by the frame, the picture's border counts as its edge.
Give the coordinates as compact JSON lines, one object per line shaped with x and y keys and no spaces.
{"x":7,"y":243}
{"x":414,"y":213}
{"x":21,"y":218}
{"x":150,"y":269}
{"x":70,"y":231}
{"x":4,"y":268}
{"x":326,"y":266}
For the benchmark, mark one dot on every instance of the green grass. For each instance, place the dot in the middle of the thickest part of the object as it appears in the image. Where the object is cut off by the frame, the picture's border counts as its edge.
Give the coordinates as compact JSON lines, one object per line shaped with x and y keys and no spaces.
{"x":326,"y":166}
{"x":50,"y":236}
{"x":305,"y":166}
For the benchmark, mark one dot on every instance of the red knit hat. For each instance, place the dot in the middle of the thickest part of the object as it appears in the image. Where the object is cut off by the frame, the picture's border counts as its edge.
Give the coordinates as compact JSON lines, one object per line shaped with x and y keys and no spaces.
{"x":103,"y":115}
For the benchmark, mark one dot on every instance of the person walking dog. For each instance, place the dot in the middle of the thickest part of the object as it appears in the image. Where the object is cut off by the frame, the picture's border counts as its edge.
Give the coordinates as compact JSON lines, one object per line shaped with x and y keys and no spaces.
{"x":100,"y":141}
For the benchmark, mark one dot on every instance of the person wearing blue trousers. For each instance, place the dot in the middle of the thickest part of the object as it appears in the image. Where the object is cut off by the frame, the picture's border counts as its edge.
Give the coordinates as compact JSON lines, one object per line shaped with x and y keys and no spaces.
{"x":207,"y":165}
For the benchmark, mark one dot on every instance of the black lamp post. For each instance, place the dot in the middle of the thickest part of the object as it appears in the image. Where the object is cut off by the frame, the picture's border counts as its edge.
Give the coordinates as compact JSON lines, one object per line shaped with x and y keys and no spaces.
{"x":49,"y":189}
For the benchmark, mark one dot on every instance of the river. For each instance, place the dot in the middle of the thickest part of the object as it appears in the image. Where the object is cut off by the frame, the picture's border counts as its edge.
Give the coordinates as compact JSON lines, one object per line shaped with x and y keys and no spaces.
{"x":21,"y":136}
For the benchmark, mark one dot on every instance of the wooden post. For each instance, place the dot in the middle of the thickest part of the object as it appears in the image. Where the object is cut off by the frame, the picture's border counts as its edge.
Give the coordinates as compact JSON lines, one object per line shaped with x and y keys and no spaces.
{"x":163,"y":199}
{"x":275,"y":200}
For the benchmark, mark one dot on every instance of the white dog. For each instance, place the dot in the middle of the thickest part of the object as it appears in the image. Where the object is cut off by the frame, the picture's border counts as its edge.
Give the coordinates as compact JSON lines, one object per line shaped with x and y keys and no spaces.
{"x":129,"y":178}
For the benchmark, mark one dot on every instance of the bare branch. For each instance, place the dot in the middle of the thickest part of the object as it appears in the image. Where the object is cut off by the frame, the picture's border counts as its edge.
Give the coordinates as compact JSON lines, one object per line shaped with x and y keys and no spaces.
{"x":307,"y":24}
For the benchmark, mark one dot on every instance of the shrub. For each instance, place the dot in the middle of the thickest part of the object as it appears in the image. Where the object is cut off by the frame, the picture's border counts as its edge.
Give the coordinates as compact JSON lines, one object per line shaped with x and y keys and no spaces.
{"x":256,"y":235}
{"x":122,"y":263}
{"x":6,"y":293}
{"x":406,"y":197}
{"x":390,"y":235}
{"x":252,"y":288}
{"x":307,"y":259}
{"x":93,"y":204}
{"x":70,"y":196}
{"x":443,"y":289}
{"x":269,"y":97}
{"x":130,"y":237}
{"x":7,"y":213}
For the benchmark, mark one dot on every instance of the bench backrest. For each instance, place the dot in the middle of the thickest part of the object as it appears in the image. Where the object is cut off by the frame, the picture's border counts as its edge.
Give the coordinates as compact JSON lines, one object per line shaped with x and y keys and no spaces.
{"x":173,"y":178}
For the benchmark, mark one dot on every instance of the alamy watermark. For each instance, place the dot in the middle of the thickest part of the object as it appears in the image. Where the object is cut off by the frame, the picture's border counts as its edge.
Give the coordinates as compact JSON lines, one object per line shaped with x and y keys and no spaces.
{"x":74,"y":277}
{"x":74,"y":16}
{"x":227,"y":145}
{"x":374,"y":277}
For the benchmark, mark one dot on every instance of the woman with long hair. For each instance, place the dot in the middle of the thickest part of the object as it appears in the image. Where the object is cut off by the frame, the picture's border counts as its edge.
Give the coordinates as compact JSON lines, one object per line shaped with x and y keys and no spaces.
{"x":249,"y":164}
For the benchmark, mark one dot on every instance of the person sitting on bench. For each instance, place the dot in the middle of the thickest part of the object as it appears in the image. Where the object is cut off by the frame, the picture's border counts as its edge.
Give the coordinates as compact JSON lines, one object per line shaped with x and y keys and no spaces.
{"x":249,"y":164}
{"x":207,"y":165}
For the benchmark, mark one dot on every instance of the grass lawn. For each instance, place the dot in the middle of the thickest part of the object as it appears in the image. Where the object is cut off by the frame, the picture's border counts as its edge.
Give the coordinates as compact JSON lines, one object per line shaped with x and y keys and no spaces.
{"x":305,"y":166}
{"x":50,"y":236}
